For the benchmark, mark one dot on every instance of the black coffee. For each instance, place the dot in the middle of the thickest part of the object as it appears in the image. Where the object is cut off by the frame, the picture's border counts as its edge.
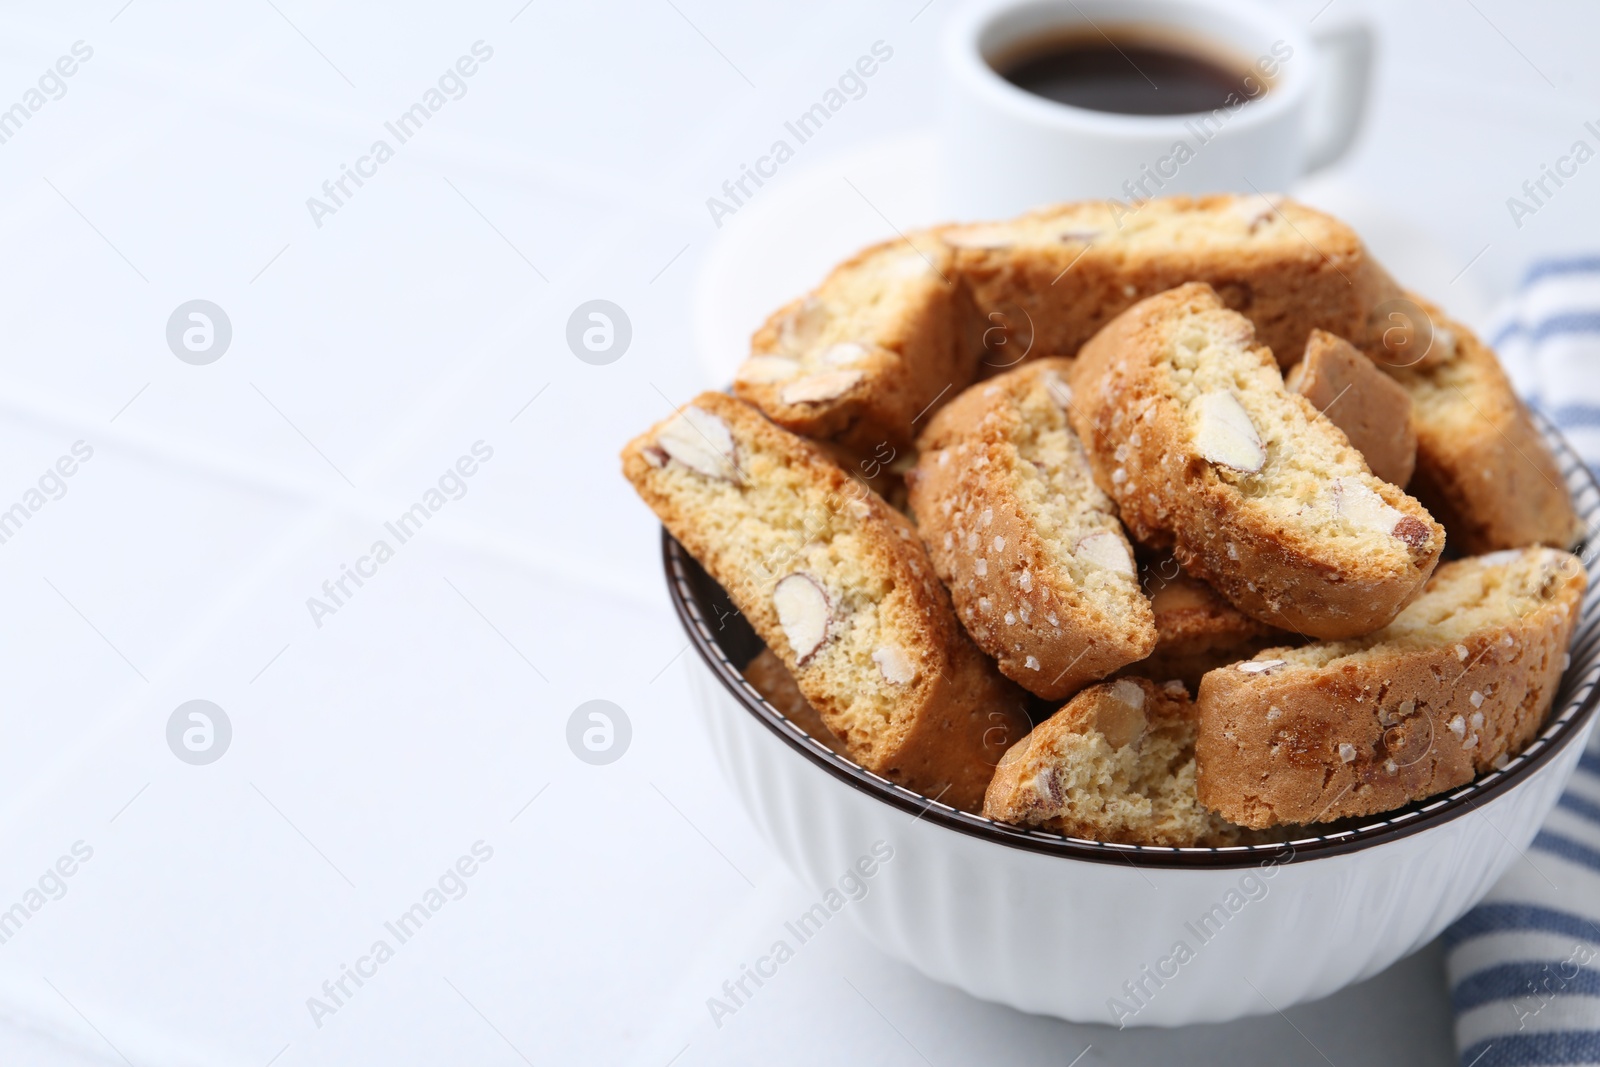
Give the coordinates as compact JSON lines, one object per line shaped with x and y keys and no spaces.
{"x":1128,"y":76}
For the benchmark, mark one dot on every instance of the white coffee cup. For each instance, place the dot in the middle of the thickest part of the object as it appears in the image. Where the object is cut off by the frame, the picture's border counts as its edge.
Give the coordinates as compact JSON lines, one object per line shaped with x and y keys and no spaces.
{"x":1007,"y":150}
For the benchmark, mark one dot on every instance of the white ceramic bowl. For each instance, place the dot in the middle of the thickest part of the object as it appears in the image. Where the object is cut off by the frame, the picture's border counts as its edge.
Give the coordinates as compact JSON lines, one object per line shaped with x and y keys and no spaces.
{"x":1124,"y":934}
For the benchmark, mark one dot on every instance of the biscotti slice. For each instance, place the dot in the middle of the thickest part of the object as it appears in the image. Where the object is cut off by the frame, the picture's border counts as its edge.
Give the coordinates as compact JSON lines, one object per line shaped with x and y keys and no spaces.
{"x":1482,"y":466}
{"x":777,"y":687}
{"x":1048,"y":281}
{"x":1369,"y":406}
{"x":836,"y":583}
{"x":1115,"y":764}
{"x":1041,"y":573}
{"x":1196,"y":629}
{"x":857,"y":360}
{"x":1190,"y":429}
{"x":1457,"y":684}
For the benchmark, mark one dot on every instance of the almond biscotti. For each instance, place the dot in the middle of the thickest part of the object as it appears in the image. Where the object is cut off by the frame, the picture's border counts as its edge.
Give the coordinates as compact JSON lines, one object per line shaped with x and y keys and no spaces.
{"x":906,"y":325}
{"x":857,"y":360}
{"x":1482,"y":467}
{"x":1196,"y":630}
{"x":1457,"y":684}
{"x":1041,"y":573}
{"x":1115,"y":764}
{"x":1369,"y":406}
{"x":835,"y":582}
{"x":1051,"y":279}
{"x":1191,"y":431}
{"x":777,"y":687}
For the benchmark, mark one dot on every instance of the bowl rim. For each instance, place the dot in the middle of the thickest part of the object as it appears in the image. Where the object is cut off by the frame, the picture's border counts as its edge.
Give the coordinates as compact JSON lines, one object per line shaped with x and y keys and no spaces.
{"x":1567,"y":723}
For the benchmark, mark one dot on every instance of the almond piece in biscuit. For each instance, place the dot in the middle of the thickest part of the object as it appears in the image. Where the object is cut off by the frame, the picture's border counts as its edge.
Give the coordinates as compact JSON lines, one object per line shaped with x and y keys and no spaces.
{"x":836,"y":583}
{"x":1454,"y":686}
{"x":1031,"y":549}
{"x":1115,"y":764}
{"x":1190,"y":430}
{"x":1372,"y":410}
{"x":1482,"y":466}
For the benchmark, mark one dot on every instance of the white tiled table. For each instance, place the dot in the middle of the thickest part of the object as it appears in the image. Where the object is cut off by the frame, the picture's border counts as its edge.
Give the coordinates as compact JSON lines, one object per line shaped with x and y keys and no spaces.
{"x":368,"y":354}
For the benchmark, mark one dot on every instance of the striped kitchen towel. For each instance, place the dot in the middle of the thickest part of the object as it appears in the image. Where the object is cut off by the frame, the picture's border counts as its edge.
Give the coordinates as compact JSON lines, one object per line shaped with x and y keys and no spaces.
{"x":1524,"y":965}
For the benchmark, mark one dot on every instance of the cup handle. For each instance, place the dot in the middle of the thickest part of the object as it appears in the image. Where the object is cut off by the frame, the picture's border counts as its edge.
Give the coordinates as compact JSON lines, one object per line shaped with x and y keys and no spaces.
{"x":1339,"y":101}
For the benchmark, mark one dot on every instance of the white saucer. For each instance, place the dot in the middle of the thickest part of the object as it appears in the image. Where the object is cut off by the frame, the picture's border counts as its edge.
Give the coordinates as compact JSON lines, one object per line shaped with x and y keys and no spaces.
{"x":785,"y":239}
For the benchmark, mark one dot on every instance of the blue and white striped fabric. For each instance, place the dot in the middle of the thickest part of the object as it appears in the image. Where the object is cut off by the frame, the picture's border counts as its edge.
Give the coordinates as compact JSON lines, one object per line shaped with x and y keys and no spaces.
{"x":1524,"y":965}
{"x":1549,"y":339}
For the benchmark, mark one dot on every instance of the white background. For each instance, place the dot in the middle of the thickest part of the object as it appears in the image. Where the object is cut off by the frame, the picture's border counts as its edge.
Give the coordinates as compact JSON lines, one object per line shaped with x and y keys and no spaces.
{"x":367,"y":355}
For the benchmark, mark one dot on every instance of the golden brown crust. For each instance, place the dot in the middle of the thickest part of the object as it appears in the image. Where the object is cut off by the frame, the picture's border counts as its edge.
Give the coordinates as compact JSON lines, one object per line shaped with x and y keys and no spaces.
{"x":1266,"y":540}
{"x":1403,"y":716}
{"x":1196,"y":629}
{"x":908,"y":355}
{"x":1373,"y":411}
{"x":1286,"y":267}
{"x":893,"y":674}
{"x":1116,"y":764}
{"x":777,"y":686}
{"x":1483,"y":468}
{"x":1004,"y":499}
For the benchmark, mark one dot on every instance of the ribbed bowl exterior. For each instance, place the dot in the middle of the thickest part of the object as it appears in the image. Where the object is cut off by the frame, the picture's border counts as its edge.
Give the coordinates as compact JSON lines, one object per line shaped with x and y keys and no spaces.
{"x":1068,"y":937}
